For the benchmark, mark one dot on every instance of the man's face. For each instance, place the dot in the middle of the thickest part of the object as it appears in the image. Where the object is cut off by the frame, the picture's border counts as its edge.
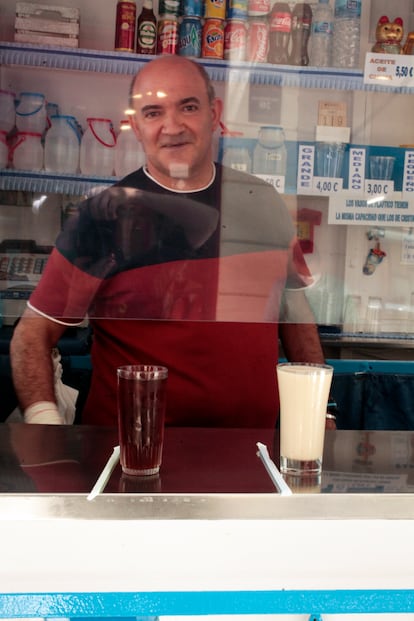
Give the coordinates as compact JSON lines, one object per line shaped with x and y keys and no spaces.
{"x":175,"y":121}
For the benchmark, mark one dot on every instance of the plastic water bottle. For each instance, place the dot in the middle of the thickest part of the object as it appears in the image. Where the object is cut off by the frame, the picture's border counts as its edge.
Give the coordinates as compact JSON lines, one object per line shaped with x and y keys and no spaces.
{"x":97,"y":150}
{"x":321,"y":35}
{"x":4,"y":149}
{"x":31,"y":113}
{"x":269,"y":155}
{"x":129,"y":153}
{"x":7,"y":110}
{"x":27,"y":151}
{"x":237,"y":156}
{"x":62,"y":145}
{"x":347,"y":31}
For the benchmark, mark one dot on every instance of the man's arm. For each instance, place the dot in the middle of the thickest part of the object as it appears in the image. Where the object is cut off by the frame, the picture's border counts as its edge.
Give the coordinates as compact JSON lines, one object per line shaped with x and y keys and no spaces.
{"x":298,"y":331}
{"x":299,"y":335}
{"x":32,"y":366}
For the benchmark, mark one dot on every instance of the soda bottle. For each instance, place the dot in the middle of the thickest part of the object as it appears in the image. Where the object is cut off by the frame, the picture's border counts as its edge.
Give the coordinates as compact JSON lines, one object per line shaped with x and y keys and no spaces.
{"x":301,"y":25}
{"x":146,"y":30}
{"x":280,"y":26}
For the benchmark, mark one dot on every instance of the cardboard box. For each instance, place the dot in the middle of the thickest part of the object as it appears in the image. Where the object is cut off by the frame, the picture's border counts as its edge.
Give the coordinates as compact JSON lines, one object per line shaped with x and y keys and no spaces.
{"x":46,"y":24}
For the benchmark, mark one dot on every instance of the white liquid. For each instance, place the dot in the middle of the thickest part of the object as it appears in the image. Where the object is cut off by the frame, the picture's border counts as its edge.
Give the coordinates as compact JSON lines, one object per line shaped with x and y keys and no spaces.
{"x":303,"y":392}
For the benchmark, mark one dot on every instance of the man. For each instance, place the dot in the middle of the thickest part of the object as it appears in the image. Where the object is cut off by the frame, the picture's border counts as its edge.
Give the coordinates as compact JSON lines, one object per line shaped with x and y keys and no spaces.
{"x":183,"y":263}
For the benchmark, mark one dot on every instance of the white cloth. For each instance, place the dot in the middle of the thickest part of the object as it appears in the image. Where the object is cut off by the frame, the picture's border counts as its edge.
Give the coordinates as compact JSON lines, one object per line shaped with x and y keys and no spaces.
{"x":60,"y":413}
{"x":65,"y":395}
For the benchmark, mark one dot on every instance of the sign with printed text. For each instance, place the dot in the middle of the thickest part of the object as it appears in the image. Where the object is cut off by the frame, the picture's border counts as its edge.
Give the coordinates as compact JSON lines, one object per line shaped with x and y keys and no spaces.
{"x":389,"y":70}
{"x":408,"y":179}
{"x":277,"y":181}
{"x":407,"y":249}
{"x":379,"y":210}
{"x":265,"y":105}
{"x":306,"y":159}
{"x":327,"y":185}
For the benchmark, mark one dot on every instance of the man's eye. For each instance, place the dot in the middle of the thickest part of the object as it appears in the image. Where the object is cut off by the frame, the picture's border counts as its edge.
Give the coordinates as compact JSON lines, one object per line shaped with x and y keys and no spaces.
{"x":151,"y":114}
{"x":190,"y":108}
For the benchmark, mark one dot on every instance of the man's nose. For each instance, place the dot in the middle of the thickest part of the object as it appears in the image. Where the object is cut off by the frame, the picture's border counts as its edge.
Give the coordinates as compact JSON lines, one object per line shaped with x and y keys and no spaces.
{"x":173,"y":123}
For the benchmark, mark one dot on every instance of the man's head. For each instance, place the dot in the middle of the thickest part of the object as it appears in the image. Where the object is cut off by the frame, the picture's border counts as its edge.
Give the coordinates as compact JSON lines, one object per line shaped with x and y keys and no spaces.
{"x":176,"y":113}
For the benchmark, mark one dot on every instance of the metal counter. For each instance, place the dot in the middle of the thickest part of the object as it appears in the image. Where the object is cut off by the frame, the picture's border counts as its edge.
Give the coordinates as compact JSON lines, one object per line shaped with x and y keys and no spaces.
{"x":322,"y":550}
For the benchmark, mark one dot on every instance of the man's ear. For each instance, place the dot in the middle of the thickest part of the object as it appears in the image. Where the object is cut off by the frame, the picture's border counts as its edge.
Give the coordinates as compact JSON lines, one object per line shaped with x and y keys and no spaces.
{"x":217,"y":110}
{"x":134,"y":125}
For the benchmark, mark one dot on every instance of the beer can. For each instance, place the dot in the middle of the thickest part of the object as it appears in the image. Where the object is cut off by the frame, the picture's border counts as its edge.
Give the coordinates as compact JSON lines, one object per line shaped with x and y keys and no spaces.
{"x":190,"y":37}
{"x":169,"y":7}
{"x":167,"y":35}
{"x":235,"y":40}
{"x":258,"y":7}
{"x":212,"y":45}
{"x":237,"y":9}
{"x":215,"y":9}
{"x":193,"y":8}
{"x":126,"y":15}
{"x":257,"y":41}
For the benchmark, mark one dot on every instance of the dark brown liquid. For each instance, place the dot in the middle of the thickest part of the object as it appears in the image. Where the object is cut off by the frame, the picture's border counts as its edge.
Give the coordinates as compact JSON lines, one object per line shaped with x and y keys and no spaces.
{"x":141,"y":413}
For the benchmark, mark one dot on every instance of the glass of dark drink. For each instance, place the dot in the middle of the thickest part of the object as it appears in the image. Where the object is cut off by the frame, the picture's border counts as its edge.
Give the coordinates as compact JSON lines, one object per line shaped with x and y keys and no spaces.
{"x":142,"y":397}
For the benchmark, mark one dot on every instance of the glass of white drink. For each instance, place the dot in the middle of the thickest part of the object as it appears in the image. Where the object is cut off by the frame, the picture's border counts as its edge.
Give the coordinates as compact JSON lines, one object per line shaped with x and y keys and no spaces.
{"x":303,"y":393}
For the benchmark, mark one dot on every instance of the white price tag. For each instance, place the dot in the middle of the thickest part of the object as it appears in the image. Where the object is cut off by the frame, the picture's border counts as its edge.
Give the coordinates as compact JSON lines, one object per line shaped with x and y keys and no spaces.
{"x":277,"y":181}
{"x":389,"y":69}
{"x":374,"y":187}
{"x":327,"y":185}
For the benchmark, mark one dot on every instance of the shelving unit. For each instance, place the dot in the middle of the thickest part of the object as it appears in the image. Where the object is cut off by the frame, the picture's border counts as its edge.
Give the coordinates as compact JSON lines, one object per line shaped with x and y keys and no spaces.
{"x":123,"y":63}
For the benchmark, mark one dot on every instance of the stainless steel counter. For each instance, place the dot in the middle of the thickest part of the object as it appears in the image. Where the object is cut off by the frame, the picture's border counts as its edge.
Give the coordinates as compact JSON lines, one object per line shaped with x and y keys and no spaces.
{"x":210,"y":535}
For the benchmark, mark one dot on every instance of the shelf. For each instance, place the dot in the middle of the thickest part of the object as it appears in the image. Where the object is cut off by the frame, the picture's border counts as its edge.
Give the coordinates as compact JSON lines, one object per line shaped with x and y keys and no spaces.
{"x":96,"y":61}
{"x":56,"y":183}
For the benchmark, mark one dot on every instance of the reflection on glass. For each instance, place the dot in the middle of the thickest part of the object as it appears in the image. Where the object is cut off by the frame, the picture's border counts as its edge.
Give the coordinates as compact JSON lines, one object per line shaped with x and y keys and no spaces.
{"x":352,"y":314}
{"x":126,"y":253}
{"x":373,"y":314}
{"x":309,"y":484}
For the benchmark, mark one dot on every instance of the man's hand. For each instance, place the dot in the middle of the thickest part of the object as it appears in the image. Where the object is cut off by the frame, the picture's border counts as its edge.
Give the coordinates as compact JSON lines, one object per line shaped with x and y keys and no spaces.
{"x":330,"y":423}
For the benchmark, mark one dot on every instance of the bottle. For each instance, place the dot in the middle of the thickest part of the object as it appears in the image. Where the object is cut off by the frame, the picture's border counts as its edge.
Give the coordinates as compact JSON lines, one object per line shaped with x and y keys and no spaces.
{"x":280,"y":26}
{"x":346,"y":37}
{"x":126,"y":17}
{"x":146,"y":30}
{"x":301,"y":26}
{"x":31,"y":112}
{"x":269,"y":155}
{"x":62,"y":145}
{"x":320,"y":45}
{"x":129,"y":154}
{"x":97,"y":149}
{"x":237,"y":156}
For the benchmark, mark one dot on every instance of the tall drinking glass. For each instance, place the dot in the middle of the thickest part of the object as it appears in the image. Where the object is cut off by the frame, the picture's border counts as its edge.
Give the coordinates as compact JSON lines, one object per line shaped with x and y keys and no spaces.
{"x":142,"y":397}
{"x":303,"y":393}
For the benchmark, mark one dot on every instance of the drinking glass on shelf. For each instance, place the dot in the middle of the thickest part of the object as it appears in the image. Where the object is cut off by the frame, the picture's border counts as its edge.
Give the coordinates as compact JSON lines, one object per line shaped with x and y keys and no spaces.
{"x":410,"y":315}
{"x":373,"y":315}
{"x":352,"y":314}
{"x":381,"y":167}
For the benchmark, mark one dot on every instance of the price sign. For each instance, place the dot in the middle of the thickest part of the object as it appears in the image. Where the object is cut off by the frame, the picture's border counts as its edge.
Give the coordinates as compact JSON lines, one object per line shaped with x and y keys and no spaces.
{"x":277,"y":181}
{"x":389,"y":69}
{"x":378,"y":188}
{"x":327,"y":185}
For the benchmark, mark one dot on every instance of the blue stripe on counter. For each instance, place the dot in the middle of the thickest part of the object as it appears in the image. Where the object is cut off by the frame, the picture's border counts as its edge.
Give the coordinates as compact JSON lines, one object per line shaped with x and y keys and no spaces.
{"x":119,"y":605}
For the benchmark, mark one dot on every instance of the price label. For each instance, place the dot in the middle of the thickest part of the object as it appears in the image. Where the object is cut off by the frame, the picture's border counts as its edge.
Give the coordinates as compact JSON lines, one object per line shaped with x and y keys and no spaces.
{"x":277,"y":181}
{"x":327,"y":185}
{"x":378,"y":188}
{"x":404,"y":71}
{"x":389,"y":69}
